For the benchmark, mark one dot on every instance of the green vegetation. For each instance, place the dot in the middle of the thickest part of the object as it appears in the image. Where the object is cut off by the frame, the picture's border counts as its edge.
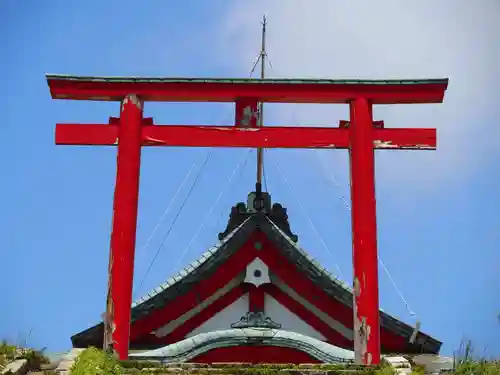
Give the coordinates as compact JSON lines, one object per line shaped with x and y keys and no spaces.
{"x":467,"y":363}
{"x":93,"y":361}
{"x":9,"y":352}
{"x":133,"y":367}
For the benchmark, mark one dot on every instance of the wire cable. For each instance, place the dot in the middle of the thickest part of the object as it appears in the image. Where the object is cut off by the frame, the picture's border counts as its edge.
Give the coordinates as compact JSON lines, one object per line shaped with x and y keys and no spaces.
{"x":348,"y":206}
{"x":264,"y":178}
{"x":391,"y":279}
{"x":341,"y":196}
{"x":224,"y":209}
{"x":202,"y":225}
{"x":185,"y":200}
{"x":255,"y":65}
{"x":287,"y":183}
{"x":160,"y":248}
{"x":167,"y":210}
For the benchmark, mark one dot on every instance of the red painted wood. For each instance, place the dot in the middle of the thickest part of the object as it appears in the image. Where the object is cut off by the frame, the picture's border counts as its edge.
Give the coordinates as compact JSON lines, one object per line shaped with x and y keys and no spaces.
{"x":87,"y":135}
{"x":125,"y":222}
{"x":191,"y":324}
{"x":360,"y":137}
{"x":333,"y":337}
{"x":288,"y":272}
{"x":280,"y":266}
{"x":256,"y":297}
{"x":364,"y":233}
{"x":409,"y":139}
{"x":232,"y":267}
{"x":254,"y":354}
{"x":230,"y":136}
{"x":268,"y":137}
{"x":207,"y":136}
{"x":230,"y":92}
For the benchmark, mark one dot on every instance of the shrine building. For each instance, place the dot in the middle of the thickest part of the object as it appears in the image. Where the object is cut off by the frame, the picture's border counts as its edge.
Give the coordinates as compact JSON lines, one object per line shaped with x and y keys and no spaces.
{"x":255,"y":297}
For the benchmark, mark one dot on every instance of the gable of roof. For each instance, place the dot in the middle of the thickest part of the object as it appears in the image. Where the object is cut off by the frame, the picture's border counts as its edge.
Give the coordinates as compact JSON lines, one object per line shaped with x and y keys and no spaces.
{"x":240,"y":227}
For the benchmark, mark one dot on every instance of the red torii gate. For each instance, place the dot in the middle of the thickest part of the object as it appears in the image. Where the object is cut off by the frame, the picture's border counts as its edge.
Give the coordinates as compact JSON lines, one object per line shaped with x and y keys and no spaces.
{"x":361,"y":135}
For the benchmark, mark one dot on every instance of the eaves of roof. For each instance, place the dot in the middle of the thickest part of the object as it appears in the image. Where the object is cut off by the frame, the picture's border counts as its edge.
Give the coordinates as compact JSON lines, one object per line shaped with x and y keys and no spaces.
{"x":189,"y":348}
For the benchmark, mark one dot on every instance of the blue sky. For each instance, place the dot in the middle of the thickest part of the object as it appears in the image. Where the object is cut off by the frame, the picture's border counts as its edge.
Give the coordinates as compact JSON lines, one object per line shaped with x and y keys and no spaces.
{"x":438,"y":212}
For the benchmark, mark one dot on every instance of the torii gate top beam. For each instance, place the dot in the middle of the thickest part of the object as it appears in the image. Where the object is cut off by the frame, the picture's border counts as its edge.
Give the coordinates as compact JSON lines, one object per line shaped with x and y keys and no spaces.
{"x":264,"y":90}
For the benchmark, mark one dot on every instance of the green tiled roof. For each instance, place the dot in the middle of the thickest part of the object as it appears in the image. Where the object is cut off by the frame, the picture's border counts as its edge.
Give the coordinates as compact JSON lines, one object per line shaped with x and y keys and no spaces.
{"x":248,"y":80}
{"x":188,"y":270}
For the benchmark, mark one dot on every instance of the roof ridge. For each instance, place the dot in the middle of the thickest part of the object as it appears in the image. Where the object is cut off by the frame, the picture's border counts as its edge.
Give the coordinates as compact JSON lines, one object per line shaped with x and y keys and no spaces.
{"x":312,"y":260}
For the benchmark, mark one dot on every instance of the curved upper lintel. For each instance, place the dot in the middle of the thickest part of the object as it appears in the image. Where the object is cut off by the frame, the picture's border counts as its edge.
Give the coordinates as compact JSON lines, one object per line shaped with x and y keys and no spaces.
{"x":228,"y":90}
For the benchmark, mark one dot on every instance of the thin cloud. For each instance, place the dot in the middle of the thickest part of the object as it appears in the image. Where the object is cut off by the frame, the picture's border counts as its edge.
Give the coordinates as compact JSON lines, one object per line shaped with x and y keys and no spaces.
{"x":387,"y":39}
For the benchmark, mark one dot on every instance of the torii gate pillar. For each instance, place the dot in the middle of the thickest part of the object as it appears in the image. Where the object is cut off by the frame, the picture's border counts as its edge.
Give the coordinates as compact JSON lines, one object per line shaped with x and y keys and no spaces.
{"x":364,"y":233}
{"x":123,"y":235}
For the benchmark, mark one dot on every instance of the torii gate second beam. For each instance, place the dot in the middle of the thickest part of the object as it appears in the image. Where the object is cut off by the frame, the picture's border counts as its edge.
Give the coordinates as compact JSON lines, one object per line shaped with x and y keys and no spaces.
{"x":361,"y":135}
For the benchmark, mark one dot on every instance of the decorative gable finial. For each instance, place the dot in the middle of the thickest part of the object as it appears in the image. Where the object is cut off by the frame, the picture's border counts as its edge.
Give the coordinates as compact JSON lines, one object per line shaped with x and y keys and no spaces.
{"x":257,"y":273}
{"x":256,"y":320}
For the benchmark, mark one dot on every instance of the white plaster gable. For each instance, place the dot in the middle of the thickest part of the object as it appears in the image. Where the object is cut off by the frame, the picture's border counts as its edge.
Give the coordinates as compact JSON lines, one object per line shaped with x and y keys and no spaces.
{"x":288,"y":320}
{"x":223,"y":319}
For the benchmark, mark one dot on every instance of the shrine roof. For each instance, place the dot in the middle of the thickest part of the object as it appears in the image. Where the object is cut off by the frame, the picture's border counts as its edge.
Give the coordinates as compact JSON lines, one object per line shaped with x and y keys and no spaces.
{"x":279,"y":234}
{"x":232,"y":240}
{"x":284,"y":90}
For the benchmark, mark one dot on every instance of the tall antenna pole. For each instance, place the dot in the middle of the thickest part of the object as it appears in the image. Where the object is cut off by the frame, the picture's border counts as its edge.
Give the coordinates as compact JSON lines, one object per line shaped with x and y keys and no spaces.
{"x":260,"y":151}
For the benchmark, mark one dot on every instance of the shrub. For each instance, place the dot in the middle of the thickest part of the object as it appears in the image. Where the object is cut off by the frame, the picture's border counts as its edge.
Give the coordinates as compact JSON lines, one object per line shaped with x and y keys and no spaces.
{"x":96,"y":362}
{"x":7,"y":353}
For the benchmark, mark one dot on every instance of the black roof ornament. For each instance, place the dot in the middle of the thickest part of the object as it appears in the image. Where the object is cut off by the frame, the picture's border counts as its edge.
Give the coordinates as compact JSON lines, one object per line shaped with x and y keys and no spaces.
{"x":259,"y":204}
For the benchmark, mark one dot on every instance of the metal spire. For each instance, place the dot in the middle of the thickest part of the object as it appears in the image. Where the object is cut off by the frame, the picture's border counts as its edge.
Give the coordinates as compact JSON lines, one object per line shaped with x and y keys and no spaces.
{"x":260,"y":151}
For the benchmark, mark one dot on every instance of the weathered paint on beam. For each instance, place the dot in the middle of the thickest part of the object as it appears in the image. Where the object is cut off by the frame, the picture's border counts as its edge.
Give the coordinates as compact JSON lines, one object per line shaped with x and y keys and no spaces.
{"x":400,"y":138}
{"x":231,"y":136}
